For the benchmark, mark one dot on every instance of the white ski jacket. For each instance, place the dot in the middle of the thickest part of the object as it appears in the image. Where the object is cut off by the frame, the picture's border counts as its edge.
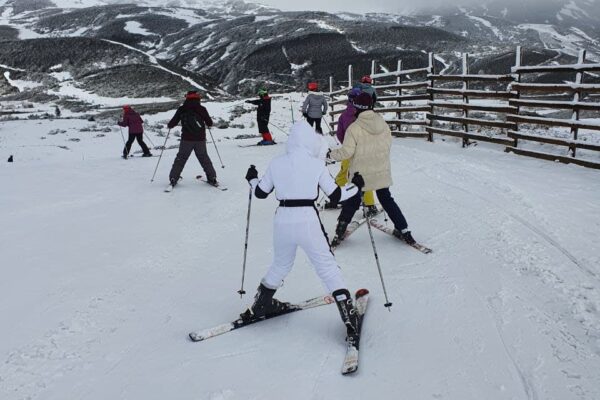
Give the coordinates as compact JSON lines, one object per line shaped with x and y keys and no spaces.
{"x":298,"y":174}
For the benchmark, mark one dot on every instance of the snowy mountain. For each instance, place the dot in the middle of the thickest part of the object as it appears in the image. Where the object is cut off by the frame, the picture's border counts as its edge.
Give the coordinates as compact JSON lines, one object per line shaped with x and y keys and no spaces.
{"x":234,"y":46}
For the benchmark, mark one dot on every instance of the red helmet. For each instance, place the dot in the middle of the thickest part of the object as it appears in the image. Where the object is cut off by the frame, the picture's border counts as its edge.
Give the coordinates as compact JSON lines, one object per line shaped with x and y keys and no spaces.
{"x":366,"y":79}
{"x":126,"y":107}
{"x":193,"y":95}
{"x":313,"y":86}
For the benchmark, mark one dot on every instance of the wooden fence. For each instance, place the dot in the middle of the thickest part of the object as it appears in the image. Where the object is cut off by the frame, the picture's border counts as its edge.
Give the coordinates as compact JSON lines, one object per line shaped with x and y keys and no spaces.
{"x":491,"y":108}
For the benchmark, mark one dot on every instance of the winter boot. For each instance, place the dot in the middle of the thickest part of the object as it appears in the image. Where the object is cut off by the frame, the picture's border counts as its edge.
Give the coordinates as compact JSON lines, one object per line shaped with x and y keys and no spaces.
{"x":405,"y":235}
{"x":371,"y":211}
{"x":264,"y":304}
{"x":173,"y":182}
{"x":343,"y":300}
{"x":213,"y":181}
{"x":147,"y":155}
{"x":265,"y":143}
{"x":341,"y":227}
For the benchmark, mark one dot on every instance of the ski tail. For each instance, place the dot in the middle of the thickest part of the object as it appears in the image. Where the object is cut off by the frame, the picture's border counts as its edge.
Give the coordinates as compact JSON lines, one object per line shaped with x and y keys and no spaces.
{"x":390,"y":231}
{"x":202,"y":335}
{"x":350,"y":364}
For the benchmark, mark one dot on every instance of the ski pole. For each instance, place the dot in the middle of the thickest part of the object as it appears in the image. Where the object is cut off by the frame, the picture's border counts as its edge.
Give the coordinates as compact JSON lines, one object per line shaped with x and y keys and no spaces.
{"x":387,"y":304}
{"x":215,"y":143}
{"x":160,"y":156}
{"x":242,"y":292}
{"x":150,"y":140}
{"x":275,"y":126}
{"x":123,"y":138}
{"x":292,"y":111}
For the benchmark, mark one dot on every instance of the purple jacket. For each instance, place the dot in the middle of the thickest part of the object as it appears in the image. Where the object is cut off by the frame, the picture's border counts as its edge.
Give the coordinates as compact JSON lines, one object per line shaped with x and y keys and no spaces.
{"x":133,"y":121}
{"x":347,"y":118}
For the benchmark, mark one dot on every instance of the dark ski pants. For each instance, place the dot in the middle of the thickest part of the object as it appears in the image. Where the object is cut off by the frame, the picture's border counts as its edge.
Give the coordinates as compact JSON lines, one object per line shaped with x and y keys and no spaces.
{"x":317,"y":122}
{"x":263,"y":125}
{"x":185,"y":149}
{"x":351,"y":205}
{"x":140,"y":139}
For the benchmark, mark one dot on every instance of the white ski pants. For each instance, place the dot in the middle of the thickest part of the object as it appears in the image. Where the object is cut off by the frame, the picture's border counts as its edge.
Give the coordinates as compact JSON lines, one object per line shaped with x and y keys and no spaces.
{"x":295,"y":227}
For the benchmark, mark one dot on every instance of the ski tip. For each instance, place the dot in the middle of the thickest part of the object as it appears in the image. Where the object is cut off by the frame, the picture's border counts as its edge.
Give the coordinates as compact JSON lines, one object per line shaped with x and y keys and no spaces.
{"x":361,"y":293}
{"x":194,"y":338}
{"x":198,"y":176}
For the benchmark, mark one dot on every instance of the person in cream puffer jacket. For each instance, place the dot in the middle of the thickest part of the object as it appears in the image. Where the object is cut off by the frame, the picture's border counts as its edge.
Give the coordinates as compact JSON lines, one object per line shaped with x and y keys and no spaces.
{"x":367,"y":145}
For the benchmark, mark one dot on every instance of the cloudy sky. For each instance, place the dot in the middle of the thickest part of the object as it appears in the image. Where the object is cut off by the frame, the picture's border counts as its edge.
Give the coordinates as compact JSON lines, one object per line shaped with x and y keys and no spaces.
{"x":359,"y":6}
{"x":392,"y":6}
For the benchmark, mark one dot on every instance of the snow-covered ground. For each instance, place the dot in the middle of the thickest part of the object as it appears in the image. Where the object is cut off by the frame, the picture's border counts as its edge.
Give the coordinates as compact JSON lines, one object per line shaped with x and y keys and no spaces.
{"x":104,"y":275}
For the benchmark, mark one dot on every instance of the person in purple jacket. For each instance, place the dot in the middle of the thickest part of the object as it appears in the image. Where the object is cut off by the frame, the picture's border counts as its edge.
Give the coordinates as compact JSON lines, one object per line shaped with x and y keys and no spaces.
{"x":134,"y":122}
{"x":346,"y":119}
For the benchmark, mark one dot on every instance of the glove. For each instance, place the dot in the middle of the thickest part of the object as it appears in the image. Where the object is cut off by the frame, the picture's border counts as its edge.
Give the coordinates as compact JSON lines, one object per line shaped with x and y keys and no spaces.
{"x":252,"y":173}
{"x":305,"y":115}
{"x":358,"y":180}
{"x":328,"y":154}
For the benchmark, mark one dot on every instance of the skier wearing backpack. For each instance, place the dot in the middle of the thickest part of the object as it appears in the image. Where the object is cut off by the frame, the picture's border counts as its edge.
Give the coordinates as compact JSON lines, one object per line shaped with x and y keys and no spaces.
{"x":296,"y":178}
{"x":263,"y":113}
{"x":314,"y":106}
{"x":134,"y":122}
{"x":194,"y":119}
{"x":367,"y":145}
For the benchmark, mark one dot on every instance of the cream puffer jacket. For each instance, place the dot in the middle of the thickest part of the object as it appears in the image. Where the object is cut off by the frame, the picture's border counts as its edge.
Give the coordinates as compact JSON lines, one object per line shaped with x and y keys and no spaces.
{"x":367,"y":145}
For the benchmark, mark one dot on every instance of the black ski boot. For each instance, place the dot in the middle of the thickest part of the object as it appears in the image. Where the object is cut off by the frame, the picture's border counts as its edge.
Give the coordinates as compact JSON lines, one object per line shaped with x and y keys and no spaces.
{"x":340,"y":229}
{"x":173,"y":181}
{"x":264,"y":305}
{"x":343,"y":300}
{"x":147,"y":155}
{"x":405,"y":235}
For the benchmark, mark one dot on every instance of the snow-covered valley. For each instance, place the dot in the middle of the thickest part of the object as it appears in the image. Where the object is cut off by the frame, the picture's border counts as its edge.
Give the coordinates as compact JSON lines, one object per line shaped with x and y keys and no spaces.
{"x":104,"y":275}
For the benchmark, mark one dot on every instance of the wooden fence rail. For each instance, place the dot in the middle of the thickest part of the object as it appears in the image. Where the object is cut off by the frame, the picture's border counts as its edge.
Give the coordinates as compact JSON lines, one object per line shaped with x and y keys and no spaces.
{"x":501,"y":103}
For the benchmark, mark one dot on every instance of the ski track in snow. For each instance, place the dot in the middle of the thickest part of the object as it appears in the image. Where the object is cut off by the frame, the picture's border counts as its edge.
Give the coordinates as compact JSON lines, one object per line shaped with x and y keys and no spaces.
{"x":105,"y":275}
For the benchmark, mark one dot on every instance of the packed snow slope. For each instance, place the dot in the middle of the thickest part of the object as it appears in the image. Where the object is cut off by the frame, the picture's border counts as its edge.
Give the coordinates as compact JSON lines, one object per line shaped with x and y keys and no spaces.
{"x":104,"y":275}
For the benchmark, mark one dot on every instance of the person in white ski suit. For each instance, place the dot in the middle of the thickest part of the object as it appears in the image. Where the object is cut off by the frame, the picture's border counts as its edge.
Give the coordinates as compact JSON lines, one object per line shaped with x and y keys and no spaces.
{"x":296,"y":178}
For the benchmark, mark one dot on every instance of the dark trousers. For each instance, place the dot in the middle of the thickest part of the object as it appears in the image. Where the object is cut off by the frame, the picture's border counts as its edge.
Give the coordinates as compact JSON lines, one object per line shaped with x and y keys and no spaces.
{"x":351,"y":205}
{"x":185,"y":150}
{"x":315,"y":121}
{"x":140,"y":139}
{"x":263,"y":125}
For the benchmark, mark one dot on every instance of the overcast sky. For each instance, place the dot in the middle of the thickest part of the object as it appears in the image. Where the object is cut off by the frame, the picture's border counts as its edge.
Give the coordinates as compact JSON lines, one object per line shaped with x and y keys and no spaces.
{"x":391,"y":6}
{"x":357,"y":6}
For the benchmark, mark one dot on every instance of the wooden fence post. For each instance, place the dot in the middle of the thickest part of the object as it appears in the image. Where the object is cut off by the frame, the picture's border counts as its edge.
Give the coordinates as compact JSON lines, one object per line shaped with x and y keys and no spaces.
{"x":332,"y":101}
{"x":350,"y":76}
{"x":576,"y":98}
{"x":518,"y":63}
{"x":431,"y":72}
{"x":399,"y":93}
{"x":465,"y":71}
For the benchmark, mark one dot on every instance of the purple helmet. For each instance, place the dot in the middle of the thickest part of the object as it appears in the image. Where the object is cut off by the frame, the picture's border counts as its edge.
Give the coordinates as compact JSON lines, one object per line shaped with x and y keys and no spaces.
{"x":354,"y":92}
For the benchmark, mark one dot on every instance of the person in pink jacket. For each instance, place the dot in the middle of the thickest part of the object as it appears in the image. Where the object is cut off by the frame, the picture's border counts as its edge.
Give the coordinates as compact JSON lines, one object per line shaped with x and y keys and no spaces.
{"x":135,"y":124}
